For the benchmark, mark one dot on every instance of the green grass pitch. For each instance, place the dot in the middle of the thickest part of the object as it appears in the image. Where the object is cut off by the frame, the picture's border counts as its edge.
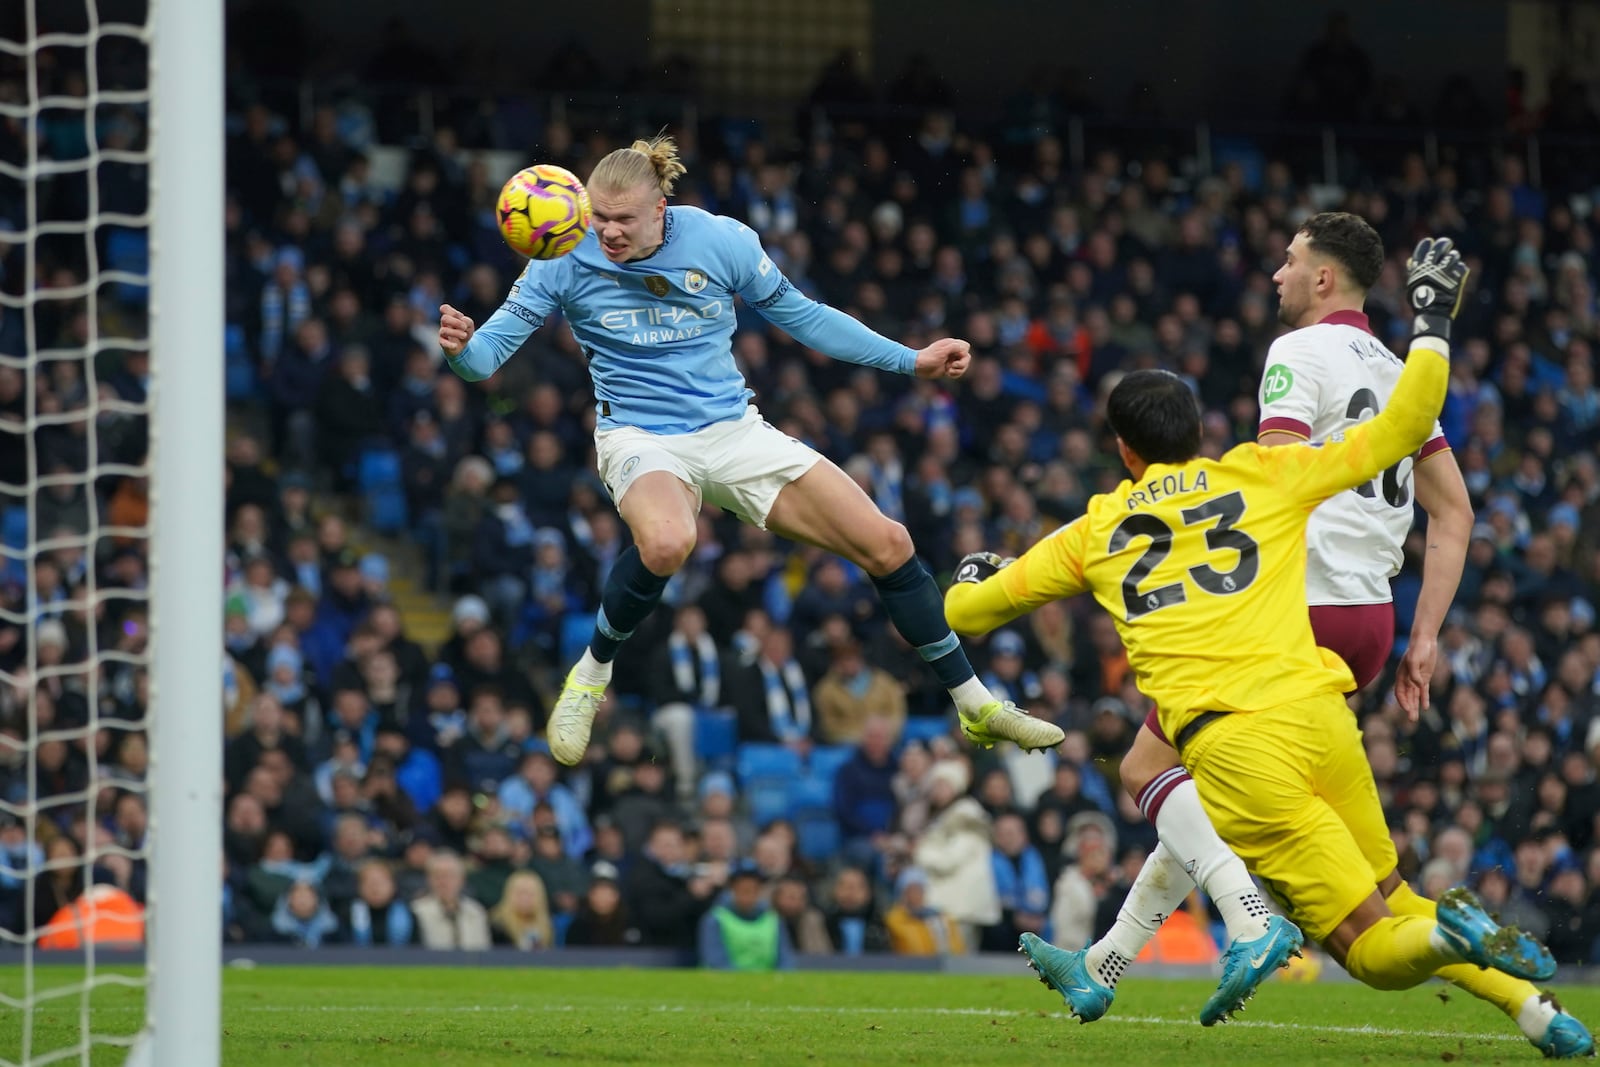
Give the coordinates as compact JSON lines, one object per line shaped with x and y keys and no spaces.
{"x":455,"y":1016}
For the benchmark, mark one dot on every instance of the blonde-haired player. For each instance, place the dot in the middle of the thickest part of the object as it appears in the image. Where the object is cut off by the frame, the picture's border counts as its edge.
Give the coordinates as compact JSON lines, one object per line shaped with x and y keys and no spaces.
{"x":649,"y":294}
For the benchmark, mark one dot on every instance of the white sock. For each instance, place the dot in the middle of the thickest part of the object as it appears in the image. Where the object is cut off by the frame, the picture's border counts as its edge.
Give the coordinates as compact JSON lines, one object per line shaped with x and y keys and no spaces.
{"x":1185,"y":828}
{"x":1535,"y":1016}
{"x":970,"y":696}
{"x":1159,"y":891}
{"x":1441,"y":943}
{"x":591,"y":671}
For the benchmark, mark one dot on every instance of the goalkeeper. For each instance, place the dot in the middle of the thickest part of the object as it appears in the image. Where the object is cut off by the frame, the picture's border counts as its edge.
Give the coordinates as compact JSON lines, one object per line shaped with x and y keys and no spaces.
{"x":1202,"y":565}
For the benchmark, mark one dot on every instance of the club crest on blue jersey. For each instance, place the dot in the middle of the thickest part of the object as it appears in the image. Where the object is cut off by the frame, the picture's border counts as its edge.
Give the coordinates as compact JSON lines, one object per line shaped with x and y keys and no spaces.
{"x":657,"y":284}
{"x":694,"y":280}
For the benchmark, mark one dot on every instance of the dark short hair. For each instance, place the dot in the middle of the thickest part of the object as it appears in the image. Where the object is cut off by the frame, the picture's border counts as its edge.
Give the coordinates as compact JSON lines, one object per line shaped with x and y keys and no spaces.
{"x":1350,"y":241}
{"x":1155,"y":414}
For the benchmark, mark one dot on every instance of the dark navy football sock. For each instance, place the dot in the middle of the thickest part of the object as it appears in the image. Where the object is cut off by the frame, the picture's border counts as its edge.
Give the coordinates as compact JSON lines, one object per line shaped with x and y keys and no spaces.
{"x":632,"y":593}
{"x":911,"y":597}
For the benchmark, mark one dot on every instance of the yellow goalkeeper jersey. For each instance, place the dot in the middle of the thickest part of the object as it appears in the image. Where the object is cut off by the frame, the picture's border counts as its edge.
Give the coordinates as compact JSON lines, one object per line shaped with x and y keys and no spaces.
{"x":1203,"y":564}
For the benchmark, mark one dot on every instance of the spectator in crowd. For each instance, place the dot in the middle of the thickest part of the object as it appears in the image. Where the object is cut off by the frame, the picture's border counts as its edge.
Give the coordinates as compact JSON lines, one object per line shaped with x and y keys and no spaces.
{"x":602,"y":920}
{"x":535,"y":783}
{"x":851,"y":692}
{"x":917,"y":928}
{"x":863,"y":791}
{"x":493,"y":856}
{"x":664,"y":896}
{"x":854,"y":924}
{"x":1082,"y":886}
{"x":955,"y":850}
{"x":686,"y":674}
{"x":743,"y":933}
{"x":522,"y":918}
{"x":1019,"y":875}
{"x":807,"y":930}
{"x":57,"y":886}
{"x":446,"y":917}
{"x":303,"y":918}
{"x":377,"y":916}
{"x":563,"y":876}
{"x":772,"y":697}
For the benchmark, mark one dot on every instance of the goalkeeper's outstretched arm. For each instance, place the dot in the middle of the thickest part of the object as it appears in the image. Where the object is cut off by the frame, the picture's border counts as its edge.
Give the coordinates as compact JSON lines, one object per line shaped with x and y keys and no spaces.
{"x":989,"y":591}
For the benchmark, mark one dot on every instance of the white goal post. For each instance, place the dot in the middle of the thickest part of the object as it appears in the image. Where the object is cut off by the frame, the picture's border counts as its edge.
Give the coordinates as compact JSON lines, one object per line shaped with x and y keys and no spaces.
{"x":184,"y":1013}
{"x":52,"y":1010}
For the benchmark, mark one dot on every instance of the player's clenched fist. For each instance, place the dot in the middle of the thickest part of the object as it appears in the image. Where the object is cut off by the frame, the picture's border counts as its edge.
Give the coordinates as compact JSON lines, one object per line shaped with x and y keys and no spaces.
{"x":945,"y":358}
{"x":1435,"y":280}
{"x":455,"y":330}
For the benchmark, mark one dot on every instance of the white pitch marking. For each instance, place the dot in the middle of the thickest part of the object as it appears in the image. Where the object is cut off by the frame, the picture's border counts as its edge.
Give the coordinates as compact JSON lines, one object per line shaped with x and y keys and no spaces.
{"x":812,"y":1009}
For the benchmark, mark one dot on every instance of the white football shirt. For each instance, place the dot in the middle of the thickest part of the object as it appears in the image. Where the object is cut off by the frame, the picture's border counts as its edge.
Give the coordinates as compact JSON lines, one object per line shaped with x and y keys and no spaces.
{"x":1320,"y":381}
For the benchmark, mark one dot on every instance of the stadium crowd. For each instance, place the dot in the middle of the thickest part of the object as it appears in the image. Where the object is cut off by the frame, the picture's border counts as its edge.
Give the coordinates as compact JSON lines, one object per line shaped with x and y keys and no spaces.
{"x":774,"y":757}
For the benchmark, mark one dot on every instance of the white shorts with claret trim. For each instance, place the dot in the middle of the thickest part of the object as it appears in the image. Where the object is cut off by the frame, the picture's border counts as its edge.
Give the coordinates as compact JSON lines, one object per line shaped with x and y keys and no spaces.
{"x":740,"y":465}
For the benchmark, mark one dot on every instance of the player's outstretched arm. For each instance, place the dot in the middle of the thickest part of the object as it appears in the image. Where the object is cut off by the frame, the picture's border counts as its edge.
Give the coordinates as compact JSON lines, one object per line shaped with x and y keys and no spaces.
{"x":815,"y":325}
{"x":1435,"y":278}
{"x":843,"y":337}
{"x":476,"y":353}
{"x":989,"y":592}
{"x":1443,"y":495}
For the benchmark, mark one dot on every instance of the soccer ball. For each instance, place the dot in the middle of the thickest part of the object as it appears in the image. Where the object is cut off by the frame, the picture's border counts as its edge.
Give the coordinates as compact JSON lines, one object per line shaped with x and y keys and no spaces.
{"x":543,"y":212}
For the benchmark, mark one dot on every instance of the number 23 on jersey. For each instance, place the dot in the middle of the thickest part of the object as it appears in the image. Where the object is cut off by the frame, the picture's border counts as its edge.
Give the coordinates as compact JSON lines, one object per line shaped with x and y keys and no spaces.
{"x":1218,"y":516}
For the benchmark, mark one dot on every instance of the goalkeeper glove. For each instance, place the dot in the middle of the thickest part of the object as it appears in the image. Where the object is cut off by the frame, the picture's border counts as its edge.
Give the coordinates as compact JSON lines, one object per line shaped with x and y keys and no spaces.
{"x":977,"y":566}
{"x":1435,"y":281}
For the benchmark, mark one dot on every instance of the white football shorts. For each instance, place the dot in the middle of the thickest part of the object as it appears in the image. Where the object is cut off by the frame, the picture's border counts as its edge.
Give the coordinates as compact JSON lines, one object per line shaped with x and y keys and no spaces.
{"x":740,"y":465}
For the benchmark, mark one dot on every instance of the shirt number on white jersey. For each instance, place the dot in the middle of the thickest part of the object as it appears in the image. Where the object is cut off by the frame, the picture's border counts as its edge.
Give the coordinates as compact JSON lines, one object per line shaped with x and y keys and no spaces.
{"x":1394,"y":483}
{"x":1227,"y":510}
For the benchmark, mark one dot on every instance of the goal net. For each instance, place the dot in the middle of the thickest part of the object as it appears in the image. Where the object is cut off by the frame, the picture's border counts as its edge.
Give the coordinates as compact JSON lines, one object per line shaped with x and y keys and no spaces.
{"x":110,"y":531}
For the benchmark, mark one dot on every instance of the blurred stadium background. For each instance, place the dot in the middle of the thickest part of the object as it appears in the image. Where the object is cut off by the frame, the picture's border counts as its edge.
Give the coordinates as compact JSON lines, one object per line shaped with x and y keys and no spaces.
{"x":413,"y":561}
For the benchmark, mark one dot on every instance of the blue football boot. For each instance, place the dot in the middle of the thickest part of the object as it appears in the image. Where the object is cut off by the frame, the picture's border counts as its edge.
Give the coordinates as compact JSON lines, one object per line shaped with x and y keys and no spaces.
{"x":1480,"y":940}
{"x":1565,"y":1038}
{"x":1247,"y":964}
{"x":1066,"y":973}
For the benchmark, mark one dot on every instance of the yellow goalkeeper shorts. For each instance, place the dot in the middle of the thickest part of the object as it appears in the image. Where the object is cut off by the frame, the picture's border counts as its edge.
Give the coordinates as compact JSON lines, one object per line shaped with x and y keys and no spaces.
{"x":1290,"y":790}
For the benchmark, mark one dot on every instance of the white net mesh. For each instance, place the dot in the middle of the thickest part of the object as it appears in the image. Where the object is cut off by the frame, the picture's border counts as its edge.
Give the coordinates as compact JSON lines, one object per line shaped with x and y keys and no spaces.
{"x":74,"y":611}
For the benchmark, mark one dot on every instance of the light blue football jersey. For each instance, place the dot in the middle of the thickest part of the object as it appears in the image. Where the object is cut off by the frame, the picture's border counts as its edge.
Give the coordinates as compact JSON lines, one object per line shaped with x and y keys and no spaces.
{"x":658,"y":332}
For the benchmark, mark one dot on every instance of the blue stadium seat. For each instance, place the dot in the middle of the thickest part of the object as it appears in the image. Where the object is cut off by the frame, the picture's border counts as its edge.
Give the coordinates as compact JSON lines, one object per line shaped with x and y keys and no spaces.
{"x":576,"y":630}
{"x":129,"y":250}
{"x":386,"y":509}
{"x":14,"y":528}
{"x":827,"y":759}
{"x":240,"y":379}
{"x":766,"y":799}
{"x":810,"y":795}
{"x":766,"y":761}
{"x":379,"y":469}
{"x":233,"y":342}
{"x":817,"y":838}
{"x":239,"y":369}
{"x":716,"y":736}
{"x":925,"y":728}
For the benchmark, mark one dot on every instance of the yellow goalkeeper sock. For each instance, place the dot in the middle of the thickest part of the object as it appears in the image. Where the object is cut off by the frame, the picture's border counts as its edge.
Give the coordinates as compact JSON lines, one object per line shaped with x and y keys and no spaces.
{"x":1397,"y":952}
{"x":1503,"y":991}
